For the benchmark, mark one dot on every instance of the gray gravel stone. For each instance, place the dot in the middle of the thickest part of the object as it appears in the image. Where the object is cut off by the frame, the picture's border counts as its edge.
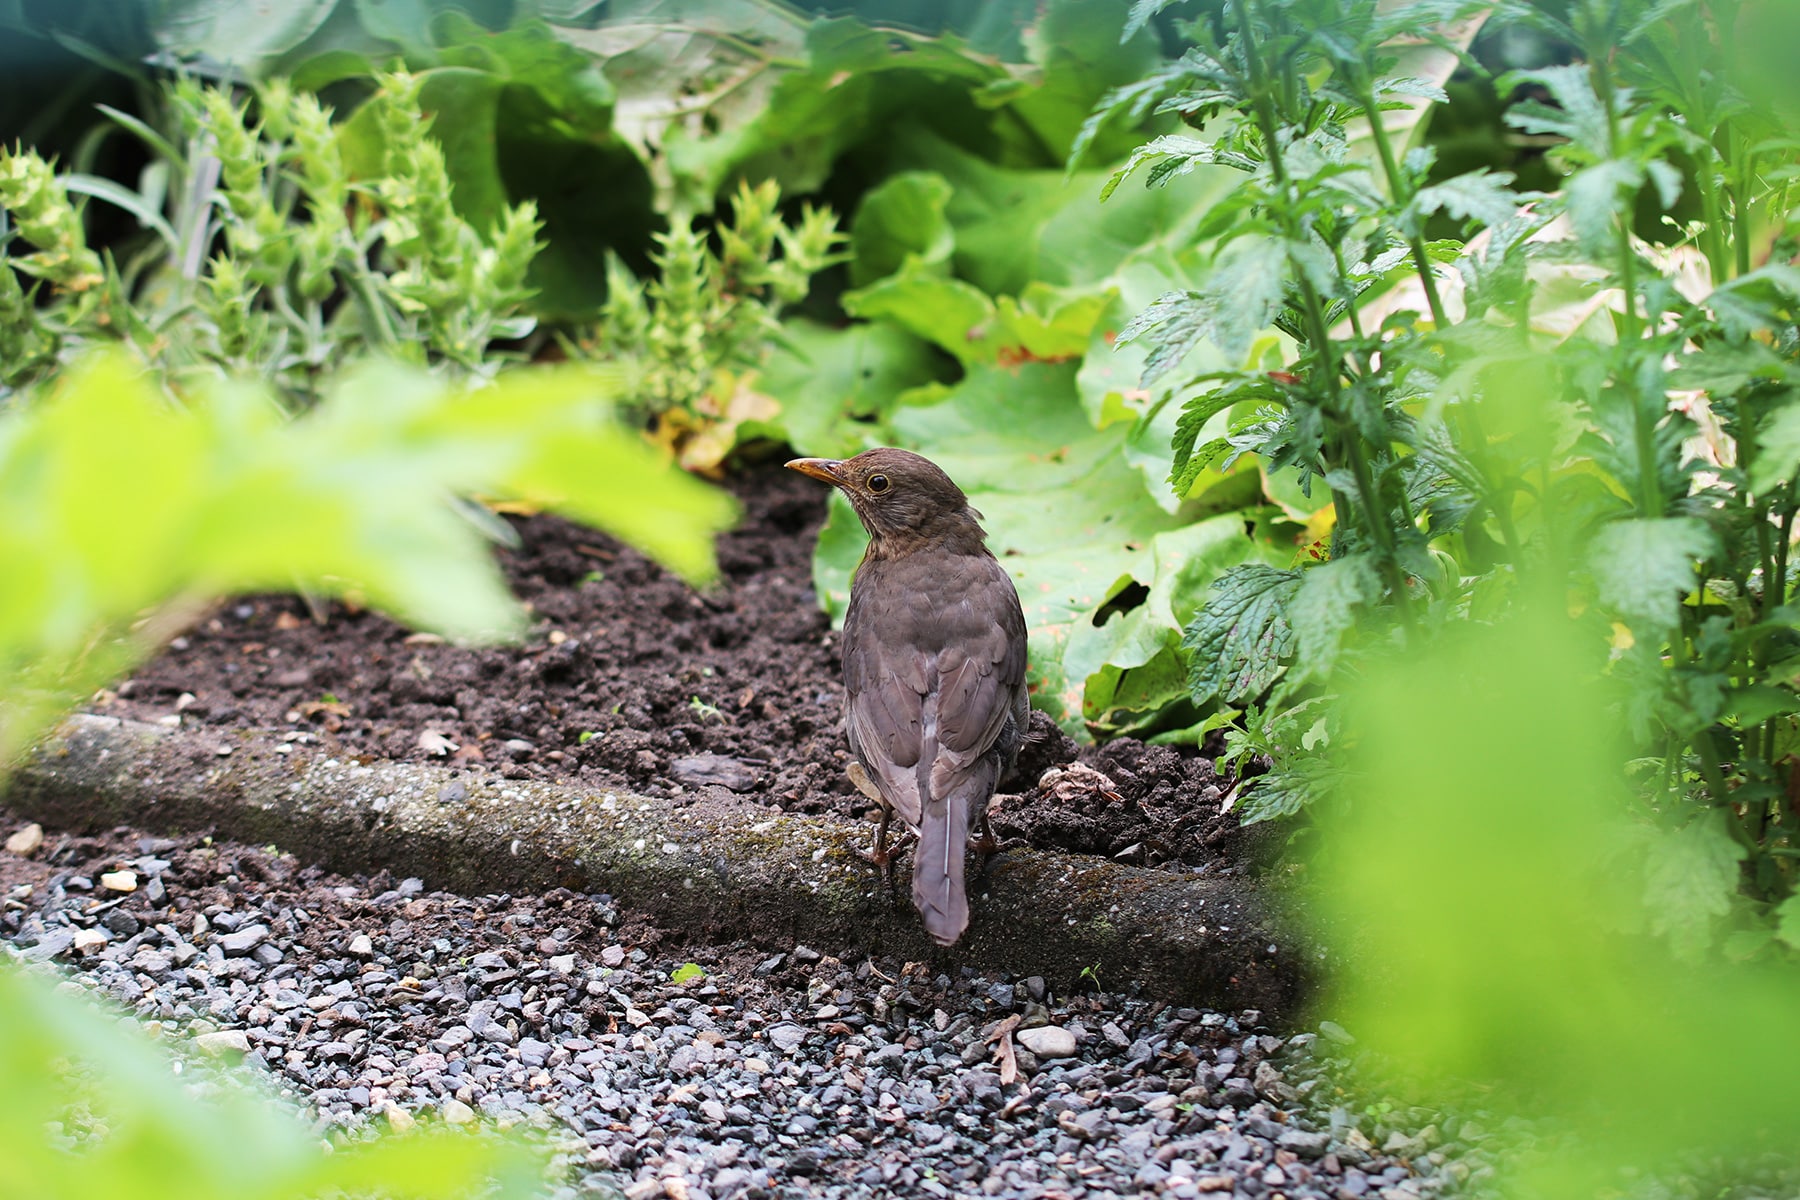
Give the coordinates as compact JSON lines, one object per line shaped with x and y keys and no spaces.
{"x":786,"y":1074}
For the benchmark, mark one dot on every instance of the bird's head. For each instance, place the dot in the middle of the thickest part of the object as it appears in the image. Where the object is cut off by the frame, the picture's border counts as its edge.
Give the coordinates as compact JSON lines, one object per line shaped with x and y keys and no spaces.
{"x":901,"y":497}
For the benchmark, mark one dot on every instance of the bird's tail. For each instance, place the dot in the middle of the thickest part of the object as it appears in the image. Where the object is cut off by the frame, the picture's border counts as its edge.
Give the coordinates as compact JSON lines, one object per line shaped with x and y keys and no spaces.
{"x":938,"y":888}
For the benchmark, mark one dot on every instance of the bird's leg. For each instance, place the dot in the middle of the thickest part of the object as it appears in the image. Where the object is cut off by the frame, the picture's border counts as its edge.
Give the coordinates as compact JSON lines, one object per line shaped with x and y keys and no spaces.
{"x":880,"y":855}
{"x":985,"y":843}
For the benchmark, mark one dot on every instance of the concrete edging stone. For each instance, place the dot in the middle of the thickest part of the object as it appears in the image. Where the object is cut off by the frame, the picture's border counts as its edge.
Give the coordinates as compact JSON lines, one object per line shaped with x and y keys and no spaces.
{"x":712,"y":865}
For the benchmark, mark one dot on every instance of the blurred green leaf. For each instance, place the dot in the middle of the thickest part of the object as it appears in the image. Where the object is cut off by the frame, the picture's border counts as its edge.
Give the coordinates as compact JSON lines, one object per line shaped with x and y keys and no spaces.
{"x":153,"y":1135}
{"x":116,"y":502}
{"x":244,"y":35}
{"x":1484,"y":887}
{"x":1690,"y":876}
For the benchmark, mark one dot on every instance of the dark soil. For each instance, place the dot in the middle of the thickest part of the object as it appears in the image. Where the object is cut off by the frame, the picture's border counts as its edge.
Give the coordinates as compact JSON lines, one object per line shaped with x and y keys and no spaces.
{"x":631,"y":679}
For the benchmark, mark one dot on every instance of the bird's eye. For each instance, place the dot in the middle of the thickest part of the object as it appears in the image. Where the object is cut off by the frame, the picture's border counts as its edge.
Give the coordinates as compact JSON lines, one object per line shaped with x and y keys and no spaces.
{"x":878,"y":484}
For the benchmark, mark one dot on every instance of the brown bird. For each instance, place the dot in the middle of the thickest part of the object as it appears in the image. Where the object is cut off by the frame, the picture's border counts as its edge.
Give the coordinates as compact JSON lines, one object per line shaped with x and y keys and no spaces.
{"x":934,"y":667}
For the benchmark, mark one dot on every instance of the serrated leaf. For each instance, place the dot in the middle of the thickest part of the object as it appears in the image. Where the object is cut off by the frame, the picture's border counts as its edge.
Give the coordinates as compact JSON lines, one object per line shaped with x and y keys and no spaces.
{"x":1777,"y":457}
{"x":1595,"y":196}
{"x":1242,"y":635}
{"x":1326,"y":607}
{"x":1762,"y":299}
{"x":1237,"y":301}
{"x":1483,"y":196}
{"x":1577,"y":114}
{"x":1643,"y":566}
{"x":1690,"y":876}
{"x":1175,"y":154}
{"x":1423,"y":89}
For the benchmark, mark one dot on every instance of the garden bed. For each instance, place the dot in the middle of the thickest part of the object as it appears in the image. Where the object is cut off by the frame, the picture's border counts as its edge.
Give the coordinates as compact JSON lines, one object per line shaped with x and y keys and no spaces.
{"x":632,"y":680}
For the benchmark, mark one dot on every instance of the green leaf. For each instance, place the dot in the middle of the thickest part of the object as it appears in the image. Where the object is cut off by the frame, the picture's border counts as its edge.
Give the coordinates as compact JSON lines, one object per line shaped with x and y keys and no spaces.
{"x":687,"y":973}
{"x":1595,"y":196}
{"x":1777,"y":456}
{"x":1577,"y":113}
{"x":957,"y":316}
{"x":837,"y":387}
{"x":901,"y":221}
{"x":1483,"y":196}
{"x":1326,"y":607}
{"x":1014,"y":227}
{"x":1172,"y":155}
{"x":1690,"y":876}
{"x":1787,"y":921}
{"x":114,"y":504}
{"x":242,"y":35}
{"x":1643,"y":566}
{"x":1756,"y":703}
{"x":1240,"y":638}
{"x":1238,"y":299}
{"x":1765,"y":298}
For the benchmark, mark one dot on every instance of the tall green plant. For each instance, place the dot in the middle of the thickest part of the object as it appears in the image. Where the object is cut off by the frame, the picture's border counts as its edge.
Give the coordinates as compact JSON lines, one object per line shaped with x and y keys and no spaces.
{"x":1328,"y":218}
{"x":265,"y":253}
{"x":1657,"y":491}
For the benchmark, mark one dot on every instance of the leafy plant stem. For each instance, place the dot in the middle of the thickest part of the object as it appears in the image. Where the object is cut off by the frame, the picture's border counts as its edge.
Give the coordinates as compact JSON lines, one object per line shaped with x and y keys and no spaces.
{"x":362,"y":280}
{"x":1326,"y":369}
{"x":1402,"y":191}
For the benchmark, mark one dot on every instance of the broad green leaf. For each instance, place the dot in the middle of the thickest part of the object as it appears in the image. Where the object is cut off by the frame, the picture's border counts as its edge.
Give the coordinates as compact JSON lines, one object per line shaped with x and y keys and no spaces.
{"x":1017,"y":226}
{"x":957,"y":316}
{"x":901,"y":221}
{"x":715,"y":89}
{"x":226,"y":31}
{"x":1043,"y":323}
{"x":1080,"y":50}
{"x":1690,"y":876}
{"x":1134,"y":701}
{"x":837,"y":386}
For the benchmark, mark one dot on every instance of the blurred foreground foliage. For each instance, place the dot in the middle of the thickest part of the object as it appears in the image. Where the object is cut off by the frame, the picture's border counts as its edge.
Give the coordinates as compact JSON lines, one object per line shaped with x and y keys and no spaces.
{"x":126,"y":511}
{"x":94,"y":1108}
{"x":1490,"y":873}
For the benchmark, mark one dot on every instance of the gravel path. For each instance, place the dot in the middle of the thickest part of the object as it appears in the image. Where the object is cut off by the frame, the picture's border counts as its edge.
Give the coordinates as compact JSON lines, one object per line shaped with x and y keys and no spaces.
{"x":705,"y":1072}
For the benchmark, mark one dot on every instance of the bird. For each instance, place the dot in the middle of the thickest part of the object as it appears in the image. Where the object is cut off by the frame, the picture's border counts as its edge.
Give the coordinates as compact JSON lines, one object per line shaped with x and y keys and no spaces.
{"x":933,"y":649}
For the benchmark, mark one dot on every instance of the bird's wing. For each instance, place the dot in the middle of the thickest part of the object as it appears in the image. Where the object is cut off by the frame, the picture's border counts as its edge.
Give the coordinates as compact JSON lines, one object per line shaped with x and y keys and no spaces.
{"x":904,"y":703}
{"x":885,"y":685}
{"x":980,"y":677}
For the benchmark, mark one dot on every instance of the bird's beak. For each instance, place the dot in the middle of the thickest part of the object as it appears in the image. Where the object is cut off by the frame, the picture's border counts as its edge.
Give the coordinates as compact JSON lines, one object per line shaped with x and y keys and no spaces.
{"x":825,"y":470}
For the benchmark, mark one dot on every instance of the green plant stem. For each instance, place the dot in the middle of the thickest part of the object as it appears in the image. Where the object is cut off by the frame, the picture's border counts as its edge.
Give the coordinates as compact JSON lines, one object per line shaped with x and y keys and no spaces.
{"x":1320,"y":333}
{"x":1403,"y":193}
{"x":362,"y":282}
{"x":1317,"y":331}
